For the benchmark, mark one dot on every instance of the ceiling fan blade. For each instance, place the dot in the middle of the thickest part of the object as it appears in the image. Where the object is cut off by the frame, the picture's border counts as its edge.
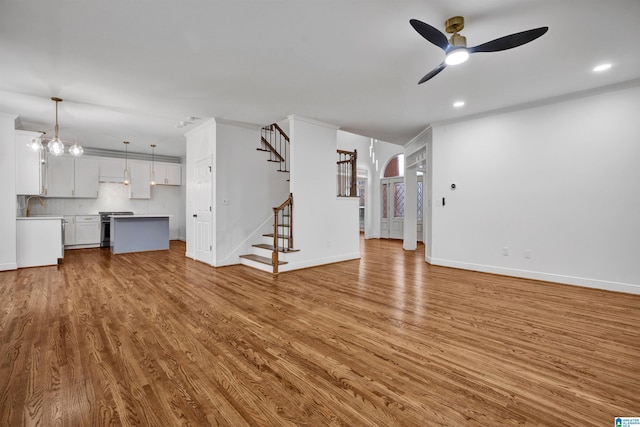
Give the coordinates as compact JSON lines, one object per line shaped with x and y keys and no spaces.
{"x":431,"y":34}
{"x":432,"y":73}
{"x":510,"y":41}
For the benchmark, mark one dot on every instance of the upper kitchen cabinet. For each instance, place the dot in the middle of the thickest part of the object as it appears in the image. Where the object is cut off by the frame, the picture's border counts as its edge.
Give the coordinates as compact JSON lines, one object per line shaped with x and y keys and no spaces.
{"x":72,"y":177}
{"x":168,"y":174}
{"x":112,"y":170}
{"x":29,"y":165}
{"x":86,"y":177}
{"x":140,"y":186}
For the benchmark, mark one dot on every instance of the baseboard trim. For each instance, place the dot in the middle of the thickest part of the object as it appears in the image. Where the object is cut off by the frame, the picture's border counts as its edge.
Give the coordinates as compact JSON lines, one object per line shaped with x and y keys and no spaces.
{"x":8,"y":266}
{"x":297,"y":265}
{"x":538,"y":275}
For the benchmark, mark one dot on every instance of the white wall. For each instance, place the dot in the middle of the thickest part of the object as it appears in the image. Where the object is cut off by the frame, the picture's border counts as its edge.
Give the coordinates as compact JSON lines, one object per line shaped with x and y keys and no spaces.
{"x":7,"y":192}
{"x":326,"y":227}
{"x":561,"y":181}
{"x":247,"y":188}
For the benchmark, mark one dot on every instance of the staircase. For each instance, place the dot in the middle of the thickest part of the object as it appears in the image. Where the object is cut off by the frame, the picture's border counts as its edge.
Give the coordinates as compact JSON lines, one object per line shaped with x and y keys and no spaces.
{"x":275,"y":141}
{"x":273,"y":249}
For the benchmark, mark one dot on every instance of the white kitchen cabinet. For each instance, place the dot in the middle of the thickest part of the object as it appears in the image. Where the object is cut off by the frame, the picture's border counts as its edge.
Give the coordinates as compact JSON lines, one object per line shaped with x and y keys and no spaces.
{"x":60,"y":176}
{"x":86,"y":177}
{"x":71,"y":177}
{"x":87,"y":229}
{"x":69,"y":230}
{"x":39,"y":241}
{"x":168,"y":174}
{"x":111,"y":170}
{"x":29,"y":165}
{"x":140,"y":186}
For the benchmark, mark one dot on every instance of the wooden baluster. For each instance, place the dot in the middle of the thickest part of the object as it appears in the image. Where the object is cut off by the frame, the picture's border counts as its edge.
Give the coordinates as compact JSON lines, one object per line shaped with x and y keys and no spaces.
{"x":274,"y":254}
{"x":290,"y":243}
{"x":354,"y":173}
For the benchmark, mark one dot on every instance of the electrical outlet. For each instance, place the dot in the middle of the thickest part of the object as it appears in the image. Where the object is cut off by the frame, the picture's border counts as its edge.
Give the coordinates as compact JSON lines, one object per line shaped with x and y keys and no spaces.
{"x":505,"y":251}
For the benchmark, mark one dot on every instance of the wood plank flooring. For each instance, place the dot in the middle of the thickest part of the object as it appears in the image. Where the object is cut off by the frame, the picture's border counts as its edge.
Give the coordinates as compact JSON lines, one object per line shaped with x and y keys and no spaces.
{"x":157,"y":339}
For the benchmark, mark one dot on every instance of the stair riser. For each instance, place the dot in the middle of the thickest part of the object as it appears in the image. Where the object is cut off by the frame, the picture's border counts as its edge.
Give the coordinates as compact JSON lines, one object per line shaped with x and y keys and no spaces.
{"x":269,"y":241}
{"x":258,"y":265}
{"x":282,"y":256}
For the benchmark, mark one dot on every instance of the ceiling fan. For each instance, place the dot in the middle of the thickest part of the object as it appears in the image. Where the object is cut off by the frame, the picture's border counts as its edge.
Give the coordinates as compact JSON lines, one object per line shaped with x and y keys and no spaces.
{"x":456,"y":47}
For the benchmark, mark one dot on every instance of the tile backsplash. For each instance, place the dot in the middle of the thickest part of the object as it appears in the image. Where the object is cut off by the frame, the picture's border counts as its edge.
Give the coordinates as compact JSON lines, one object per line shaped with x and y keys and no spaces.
{"x":115,"y":197}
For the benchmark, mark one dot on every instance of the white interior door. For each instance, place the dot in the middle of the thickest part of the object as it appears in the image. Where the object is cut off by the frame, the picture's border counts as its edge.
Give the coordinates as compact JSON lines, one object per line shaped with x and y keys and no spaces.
{"x":204,"y":211}
{"x":420,"y":206}
{"x":392,"y":216}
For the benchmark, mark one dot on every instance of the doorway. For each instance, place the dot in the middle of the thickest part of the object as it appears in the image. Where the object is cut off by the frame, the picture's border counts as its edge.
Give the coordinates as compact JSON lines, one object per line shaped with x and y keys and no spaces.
{"x":392,"y":215}
{"x":392,"y":193}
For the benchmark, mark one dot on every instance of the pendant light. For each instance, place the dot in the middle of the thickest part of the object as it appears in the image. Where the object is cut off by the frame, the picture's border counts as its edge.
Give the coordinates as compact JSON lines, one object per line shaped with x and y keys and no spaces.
{"x":36,"y":143}
{"x":127,"y":175}
{"x":75,"y":150}
{"x":56,"y":146}
{"x":153,"y":166}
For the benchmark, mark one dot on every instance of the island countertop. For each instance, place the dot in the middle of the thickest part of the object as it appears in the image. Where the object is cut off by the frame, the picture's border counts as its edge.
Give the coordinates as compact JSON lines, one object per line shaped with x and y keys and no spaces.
{"x":141,"y":216}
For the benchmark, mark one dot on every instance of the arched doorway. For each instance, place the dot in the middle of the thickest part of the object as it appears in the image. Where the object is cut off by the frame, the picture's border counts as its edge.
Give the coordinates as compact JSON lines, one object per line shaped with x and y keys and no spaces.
{"x":392,"y":194}
{"x":392,"y":199}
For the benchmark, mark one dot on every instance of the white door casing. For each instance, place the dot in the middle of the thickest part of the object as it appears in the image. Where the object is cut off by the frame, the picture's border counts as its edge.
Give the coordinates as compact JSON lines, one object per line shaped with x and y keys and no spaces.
{"x":392,"y":208}
{"x":204,"y":208}
{"x":392,"y":215}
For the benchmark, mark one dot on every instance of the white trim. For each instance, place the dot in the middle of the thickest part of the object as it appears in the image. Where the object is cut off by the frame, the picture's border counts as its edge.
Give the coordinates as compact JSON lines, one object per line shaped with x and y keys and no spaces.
{"x":200,"y":127}
{"x":312,"y":121}
{"x":246,"y":125}
{"x":537,"y":275}
{"x":10,"y":265}
{"x":417,"y":137}
{"x":317,"y":262}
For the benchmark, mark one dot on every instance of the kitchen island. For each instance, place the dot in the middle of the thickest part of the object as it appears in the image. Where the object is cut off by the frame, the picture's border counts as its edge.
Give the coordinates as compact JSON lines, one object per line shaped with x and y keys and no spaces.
{"x":139,"y":233}
{"x":40,"y":240}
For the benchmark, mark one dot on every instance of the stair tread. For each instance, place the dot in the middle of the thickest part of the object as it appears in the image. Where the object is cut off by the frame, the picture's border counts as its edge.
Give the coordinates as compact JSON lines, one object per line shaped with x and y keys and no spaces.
{"x":280,"y":236}
{"x":261,"y":259}
{"x":270,"y":248}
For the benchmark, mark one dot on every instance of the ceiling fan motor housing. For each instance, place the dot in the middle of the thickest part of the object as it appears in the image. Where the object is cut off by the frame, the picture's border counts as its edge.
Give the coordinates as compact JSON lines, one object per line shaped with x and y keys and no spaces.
{"x":458,"y":41}
{"x":454,"y":25}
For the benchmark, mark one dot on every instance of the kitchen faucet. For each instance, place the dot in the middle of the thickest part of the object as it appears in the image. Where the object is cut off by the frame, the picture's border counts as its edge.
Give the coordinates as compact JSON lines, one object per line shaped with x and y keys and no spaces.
{"x":29,"y":206}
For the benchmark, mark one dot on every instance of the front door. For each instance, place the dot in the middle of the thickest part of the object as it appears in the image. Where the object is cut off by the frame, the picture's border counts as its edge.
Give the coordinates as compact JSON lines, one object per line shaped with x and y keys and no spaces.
{"x":203,"y":215}
{"x":392,"y":215}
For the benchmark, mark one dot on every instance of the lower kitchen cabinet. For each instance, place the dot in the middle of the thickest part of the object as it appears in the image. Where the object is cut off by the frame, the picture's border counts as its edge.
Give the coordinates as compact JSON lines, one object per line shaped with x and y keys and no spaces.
{"x":38,"y":241}
{"x":87,"y":229}
{"x":69,"y":230}
{"x":81,"y":231}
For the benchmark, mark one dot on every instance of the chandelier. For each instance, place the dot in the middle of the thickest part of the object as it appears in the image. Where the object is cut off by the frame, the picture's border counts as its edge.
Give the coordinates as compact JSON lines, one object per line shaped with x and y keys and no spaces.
{"x":55,"y":146}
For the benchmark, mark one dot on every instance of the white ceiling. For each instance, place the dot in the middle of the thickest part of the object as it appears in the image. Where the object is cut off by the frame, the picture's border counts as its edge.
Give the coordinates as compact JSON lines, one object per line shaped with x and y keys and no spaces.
{"x":131,"y":70}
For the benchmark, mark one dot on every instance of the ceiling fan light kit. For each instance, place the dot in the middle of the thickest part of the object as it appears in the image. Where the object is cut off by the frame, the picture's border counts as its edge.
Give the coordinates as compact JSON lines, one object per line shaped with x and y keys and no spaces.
{"x":455,"y":48}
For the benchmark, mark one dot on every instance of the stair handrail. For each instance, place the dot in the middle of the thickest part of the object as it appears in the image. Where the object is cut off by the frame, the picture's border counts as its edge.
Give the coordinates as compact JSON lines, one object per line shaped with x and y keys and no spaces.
{"x":287,"y":206}
{"x":275,"y":141}
{"x":279,"y":129}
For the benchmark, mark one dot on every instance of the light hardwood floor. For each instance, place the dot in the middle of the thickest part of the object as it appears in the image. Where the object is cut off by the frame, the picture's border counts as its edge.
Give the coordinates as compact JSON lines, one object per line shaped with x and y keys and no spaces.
{"x":161,"y":340}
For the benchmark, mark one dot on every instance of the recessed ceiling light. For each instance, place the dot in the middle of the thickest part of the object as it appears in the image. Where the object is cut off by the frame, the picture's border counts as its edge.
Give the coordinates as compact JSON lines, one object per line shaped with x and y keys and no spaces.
{"x":458,"y":104}
{"x":601,"y":67}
